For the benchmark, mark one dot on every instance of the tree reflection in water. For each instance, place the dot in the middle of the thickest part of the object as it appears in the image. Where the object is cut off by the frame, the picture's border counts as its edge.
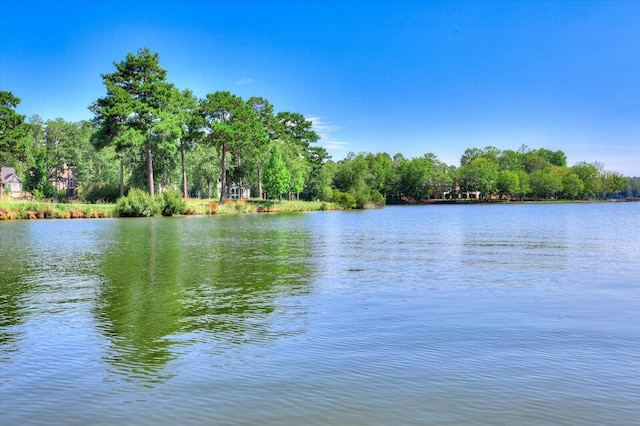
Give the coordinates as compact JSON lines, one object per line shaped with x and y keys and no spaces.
{"x":179,"y":281}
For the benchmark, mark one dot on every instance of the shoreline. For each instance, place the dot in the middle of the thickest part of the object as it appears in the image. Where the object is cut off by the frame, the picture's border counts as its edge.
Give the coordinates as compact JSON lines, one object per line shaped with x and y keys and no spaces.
{"x":31,"y":210}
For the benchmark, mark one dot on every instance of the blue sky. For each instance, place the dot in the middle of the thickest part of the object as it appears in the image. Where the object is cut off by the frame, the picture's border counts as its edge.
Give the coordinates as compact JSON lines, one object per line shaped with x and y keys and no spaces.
{"x":378,"y":76}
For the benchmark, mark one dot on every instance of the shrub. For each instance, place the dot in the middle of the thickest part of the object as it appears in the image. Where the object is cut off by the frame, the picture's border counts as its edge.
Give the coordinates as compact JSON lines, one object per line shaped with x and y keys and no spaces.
{"x":377,"y":198}
{"x":327,"y":194}
{"x":137,"y":204}
{"x":101,"y":192}
{"x":344,"y":199}
{"x":48,"y":190}
{"x":171,"y":203}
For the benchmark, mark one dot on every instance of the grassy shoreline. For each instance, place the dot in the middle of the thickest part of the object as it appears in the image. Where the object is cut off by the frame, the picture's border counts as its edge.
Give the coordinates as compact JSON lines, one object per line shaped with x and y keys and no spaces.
{"x":18,"y":210}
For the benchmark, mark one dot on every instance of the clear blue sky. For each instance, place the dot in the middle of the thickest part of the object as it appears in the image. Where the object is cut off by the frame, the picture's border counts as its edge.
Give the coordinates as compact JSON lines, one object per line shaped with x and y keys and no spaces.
{"x":391,"y":76}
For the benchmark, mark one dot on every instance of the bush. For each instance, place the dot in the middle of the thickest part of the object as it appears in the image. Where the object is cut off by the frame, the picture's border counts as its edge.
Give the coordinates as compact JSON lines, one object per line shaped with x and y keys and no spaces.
{"x":171,"y":203}
{"x":48,"y":190}
{"x":137,"y":204}
{"x":101,"y":192}
{"x":344,"y":199}
{"x":377,"y":198}
{"x":327,"y":194}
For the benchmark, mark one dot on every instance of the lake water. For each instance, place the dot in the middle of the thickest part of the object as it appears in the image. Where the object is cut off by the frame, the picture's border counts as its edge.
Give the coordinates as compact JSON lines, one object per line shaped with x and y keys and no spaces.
{"x":447,"y":315}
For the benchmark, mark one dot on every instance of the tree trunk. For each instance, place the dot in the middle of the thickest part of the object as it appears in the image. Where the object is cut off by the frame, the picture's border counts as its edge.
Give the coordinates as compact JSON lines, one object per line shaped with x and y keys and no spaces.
{"x":240,"y":184}
{"x":121,"y":176}
{"x":150,"y":171}
{"x":1,"y":183}
{"x":260,"y":183}
{"x":184,"y":172}
{"x":223,"y":178}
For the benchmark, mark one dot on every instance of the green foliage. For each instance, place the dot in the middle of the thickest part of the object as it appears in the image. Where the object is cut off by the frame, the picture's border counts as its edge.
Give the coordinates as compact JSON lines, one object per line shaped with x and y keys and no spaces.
{"x":634,"y":187}
{"x":326,"y":194}
{"x":320,"y":174}
{"x":344,"y":200}
{"x":481,"y":175}
{"x":203,"y":168}
{"x":546,"y":183}
{"x":171,"y":203}
{"x":13,"y":132}
{"x":156,"y":132}
{"x":524,"y":188}
{"x":361,"y":175}
{"x":37,"y":194}
{"x":490,"y":153}
{"x":13,"y":129}
{"x":533,"y":163}
{"x":508,"y":182}
{"x":276,"y":176}
{"x":231,"y":124}
{"x":137,"y":203}
{"x":48,"y":190}
{"x":572,"y":186}
{"x":377,"y":198}
{"x":416,"y":177}
{"x":103,"y":192}
{"x":589,"y":175}
{"x":141,"y":110}
{"x":613,"y":183}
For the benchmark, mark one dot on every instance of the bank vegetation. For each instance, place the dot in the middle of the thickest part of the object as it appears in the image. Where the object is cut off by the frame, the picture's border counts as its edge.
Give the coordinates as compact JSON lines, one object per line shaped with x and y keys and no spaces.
{"x":150,"y":137}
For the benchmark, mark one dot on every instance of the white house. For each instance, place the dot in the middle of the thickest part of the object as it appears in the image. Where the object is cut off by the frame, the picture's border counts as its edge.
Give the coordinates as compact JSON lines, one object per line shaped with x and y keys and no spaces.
{"x":9,"y":180}
{"x":235,"y":192}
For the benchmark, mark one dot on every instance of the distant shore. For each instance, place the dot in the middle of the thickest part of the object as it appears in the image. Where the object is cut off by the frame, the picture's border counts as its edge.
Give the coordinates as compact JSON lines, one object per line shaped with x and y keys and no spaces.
{"x":31,"y":210}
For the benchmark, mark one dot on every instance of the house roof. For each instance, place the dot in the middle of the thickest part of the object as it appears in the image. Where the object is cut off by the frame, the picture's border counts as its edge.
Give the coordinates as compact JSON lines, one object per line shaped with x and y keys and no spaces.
{"x":8,"y":174}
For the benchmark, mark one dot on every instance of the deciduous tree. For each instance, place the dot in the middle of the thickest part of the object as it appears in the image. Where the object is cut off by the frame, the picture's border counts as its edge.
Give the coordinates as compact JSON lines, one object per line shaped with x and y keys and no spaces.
{"x":13,"y":131}
{"x":276,"y":175}
{"x":479,"y":175}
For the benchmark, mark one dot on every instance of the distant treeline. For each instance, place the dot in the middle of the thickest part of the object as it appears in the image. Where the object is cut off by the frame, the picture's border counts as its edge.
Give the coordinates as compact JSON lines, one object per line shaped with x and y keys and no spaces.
{"x":148,"y":134}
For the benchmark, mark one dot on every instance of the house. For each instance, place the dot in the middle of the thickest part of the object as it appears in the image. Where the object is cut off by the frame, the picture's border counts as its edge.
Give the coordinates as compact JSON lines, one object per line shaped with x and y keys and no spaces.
{"x":238,"y":192}
{"x":10,"y":181}
{"x":64,"y":179}
{"x":235,"y":191}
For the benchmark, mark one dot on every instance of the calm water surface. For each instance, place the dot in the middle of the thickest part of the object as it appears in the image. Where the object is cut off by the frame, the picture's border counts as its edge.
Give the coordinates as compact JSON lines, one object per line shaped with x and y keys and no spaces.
{"x":487,"y":314}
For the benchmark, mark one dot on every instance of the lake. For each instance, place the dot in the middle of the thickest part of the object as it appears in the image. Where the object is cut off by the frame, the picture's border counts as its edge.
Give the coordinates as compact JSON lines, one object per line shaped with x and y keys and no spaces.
{"x":447,"y":314}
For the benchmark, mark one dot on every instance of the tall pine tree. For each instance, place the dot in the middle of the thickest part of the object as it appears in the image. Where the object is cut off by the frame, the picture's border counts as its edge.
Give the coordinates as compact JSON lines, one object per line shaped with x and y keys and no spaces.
{"x":139,"y":111}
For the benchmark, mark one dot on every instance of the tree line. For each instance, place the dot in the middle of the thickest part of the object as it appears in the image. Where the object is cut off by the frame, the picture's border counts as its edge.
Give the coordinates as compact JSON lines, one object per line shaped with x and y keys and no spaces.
{"x":147,"y":133}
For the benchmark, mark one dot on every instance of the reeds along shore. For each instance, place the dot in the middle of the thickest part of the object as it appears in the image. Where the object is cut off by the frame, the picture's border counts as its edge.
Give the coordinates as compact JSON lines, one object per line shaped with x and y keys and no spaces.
{"x":16,"y":210}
